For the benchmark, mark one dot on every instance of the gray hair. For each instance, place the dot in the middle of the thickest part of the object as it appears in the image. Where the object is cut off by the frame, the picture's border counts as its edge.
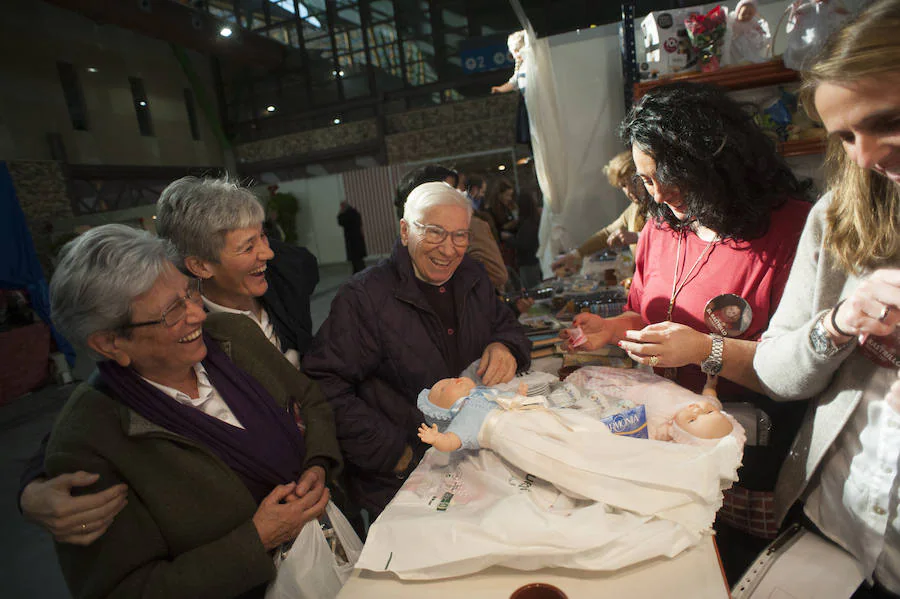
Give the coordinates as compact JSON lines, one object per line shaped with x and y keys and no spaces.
{"x":429,"y":195}
{"x":196,"y":214}
{"x":99,"y":275}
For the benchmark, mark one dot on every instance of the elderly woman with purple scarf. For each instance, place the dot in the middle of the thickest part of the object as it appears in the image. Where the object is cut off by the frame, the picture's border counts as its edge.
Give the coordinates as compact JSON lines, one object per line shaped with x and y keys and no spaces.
{"x":225,"y":448}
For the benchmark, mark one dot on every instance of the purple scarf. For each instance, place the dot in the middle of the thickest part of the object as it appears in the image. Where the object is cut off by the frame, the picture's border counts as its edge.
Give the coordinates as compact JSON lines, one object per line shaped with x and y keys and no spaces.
{"x":268,"y":451}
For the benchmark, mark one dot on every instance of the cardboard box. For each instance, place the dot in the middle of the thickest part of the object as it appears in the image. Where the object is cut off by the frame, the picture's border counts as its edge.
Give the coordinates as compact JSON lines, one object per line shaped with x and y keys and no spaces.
{"x":667,"y":49}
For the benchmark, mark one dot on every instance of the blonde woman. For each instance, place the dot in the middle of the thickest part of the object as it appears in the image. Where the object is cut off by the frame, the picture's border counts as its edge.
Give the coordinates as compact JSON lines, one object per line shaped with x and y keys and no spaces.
{"x":834,"y":335}
{"x":620,"y":172}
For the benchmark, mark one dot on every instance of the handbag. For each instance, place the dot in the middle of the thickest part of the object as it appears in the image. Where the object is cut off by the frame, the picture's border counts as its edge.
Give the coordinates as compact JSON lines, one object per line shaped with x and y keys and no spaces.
{"x":320,"y":560}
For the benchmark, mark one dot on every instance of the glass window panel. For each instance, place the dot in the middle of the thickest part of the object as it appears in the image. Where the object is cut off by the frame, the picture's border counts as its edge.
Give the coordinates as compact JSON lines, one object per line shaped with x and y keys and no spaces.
{"x":281,"y":10}
{"x":381,"y":11}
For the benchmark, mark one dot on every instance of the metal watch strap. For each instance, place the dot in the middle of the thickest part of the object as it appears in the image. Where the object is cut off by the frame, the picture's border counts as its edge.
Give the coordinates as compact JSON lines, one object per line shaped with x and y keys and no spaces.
{"x":713,"y":362}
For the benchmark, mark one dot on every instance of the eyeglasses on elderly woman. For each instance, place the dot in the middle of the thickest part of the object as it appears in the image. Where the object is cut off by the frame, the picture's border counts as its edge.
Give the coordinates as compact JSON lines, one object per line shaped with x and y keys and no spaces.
{"x":436,"y":234}
{"x":177,"y":311}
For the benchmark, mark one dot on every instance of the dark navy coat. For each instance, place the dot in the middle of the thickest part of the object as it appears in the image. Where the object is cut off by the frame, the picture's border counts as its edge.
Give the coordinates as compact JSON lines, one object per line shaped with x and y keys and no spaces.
{"x":380,"y":346}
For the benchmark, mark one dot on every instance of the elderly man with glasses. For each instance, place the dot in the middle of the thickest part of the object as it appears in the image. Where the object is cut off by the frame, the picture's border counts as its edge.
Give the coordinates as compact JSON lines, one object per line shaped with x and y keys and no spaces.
{"x":424,"y":314}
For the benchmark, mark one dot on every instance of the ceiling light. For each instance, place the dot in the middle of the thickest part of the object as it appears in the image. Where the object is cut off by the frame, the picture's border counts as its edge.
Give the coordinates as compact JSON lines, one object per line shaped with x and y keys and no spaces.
{"x":270,"y":108}
{"x":225,"y":31}
{"x":524,"y":160}
{"x":340,"y":73}
{"x":336,"y":120}
{"x":92,"y":69}
{"x":154,"y":217}
{"x":502,"y":167}
{"x":142,"y":103}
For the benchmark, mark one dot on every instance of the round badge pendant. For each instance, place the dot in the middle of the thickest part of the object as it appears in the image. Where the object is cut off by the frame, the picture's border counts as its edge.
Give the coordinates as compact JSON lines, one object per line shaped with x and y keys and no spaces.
{"x":883,"y":351}
{"x":728,"y":315}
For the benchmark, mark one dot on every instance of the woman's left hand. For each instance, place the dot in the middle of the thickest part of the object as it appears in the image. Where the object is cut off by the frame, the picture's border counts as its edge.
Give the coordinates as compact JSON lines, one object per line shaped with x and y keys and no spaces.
{"x":312,"y":482}
{"x":497,"y":364}
{"x":671,"y":344}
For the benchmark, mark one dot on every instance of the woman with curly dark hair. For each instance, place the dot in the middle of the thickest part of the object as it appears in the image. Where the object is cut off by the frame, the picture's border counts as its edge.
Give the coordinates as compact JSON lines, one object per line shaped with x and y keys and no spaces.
{"x":725,"y":219}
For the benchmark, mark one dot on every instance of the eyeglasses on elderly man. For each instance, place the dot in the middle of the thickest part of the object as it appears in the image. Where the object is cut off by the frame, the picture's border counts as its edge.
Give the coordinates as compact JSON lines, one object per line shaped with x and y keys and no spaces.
{"x":437,"y":234}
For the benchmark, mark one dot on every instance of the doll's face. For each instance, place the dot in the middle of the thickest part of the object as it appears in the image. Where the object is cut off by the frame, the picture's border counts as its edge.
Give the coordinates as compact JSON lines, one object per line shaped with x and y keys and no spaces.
{"x":446,"y":392}
{"x":703,"y":420}
{"x":746,"y":12}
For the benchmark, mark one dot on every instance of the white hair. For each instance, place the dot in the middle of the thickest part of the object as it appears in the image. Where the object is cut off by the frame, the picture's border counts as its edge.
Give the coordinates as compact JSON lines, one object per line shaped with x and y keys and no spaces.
{"x":429,"y":195}
{"x":196,"y":214}
{"x":100,"y":273}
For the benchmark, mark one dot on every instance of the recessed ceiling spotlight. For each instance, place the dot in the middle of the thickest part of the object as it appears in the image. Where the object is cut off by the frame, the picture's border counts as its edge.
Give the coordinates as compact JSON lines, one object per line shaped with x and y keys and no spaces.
{"x":270,"y":108}
{"x":92,"y":69}
{"x":142,"y":103}
{"x":225,"y":32}
{"x":336,"y":120}
{"x":502,"y":167}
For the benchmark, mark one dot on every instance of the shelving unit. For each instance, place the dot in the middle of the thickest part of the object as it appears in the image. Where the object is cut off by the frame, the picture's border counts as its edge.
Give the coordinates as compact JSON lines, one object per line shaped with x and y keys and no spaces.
{"x":772,"y":72}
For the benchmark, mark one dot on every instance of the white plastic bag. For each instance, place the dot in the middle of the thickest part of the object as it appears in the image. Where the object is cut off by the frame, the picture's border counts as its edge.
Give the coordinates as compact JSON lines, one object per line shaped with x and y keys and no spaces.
{"x":311,"y":570}
{"x":463,"y":512}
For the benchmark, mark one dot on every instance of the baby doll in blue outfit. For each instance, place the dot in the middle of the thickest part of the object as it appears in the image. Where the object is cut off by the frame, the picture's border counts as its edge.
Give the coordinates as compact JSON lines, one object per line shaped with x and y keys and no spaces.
{"x":457,"y":409}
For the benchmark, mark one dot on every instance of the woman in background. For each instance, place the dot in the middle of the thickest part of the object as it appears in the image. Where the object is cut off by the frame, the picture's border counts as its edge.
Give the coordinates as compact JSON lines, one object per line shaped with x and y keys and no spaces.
{"x":620,"y":173}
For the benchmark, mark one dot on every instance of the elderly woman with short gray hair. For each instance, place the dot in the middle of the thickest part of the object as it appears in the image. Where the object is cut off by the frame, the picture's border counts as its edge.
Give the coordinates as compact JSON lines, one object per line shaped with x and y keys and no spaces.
{"x":217,"y":227}
{"x":197,"y":415}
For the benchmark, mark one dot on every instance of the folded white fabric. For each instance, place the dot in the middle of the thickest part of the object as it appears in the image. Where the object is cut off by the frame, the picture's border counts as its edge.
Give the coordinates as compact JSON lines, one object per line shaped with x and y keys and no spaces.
{"x":460,"y":513}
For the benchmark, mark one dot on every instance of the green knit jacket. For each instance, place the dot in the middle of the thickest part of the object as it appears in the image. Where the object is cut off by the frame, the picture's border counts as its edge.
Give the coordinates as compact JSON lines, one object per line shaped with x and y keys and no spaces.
{"x":187,"y":530}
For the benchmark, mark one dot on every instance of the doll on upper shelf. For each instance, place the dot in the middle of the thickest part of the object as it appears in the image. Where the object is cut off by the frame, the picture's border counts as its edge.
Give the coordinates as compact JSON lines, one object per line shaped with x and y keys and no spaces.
{"x":579,"y":455}
{"x":748,"y":38}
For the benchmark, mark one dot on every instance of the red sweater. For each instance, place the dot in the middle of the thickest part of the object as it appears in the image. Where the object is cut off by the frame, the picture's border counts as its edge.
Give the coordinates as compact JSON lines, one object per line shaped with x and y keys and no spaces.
{"x":756,"y":270}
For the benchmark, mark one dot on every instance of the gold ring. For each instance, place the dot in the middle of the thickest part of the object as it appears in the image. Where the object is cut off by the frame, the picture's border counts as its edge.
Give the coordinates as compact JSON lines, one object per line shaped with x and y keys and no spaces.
{"x":654,"y":360}
{"x":884,"y":313}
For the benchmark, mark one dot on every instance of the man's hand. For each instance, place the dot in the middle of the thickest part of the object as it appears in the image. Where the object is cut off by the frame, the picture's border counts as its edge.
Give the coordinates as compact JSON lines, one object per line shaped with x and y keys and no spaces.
{"x":76,"y":520}
{"x":497,"y":364}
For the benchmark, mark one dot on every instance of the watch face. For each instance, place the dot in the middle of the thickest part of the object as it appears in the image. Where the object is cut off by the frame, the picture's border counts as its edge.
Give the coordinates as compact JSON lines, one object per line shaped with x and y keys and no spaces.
{"x":820,"y":340}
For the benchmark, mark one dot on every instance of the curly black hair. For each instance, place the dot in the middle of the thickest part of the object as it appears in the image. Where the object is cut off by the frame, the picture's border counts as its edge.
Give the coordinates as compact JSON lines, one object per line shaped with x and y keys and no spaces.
{"x":707,"y":146}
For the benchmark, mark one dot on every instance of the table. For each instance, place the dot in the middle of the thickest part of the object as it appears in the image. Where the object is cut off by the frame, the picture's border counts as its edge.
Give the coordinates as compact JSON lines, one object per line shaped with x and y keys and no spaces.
{"x":693,"y":574}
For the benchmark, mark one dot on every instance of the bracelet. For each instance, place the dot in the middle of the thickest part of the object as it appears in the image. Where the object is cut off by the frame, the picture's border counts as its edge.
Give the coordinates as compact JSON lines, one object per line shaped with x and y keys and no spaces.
{"x":834,"y":325}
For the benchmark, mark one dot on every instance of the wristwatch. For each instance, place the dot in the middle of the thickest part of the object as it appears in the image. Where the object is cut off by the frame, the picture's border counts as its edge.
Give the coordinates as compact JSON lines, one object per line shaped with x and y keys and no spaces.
{"x":713,"y":362}
{"x":821,"y":340}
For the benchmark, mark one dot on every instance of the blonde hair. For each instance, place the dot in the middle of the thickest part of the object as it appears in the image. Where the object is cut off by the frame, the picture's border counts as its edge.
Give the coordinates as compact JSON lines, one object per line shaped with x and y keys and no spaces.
{"x":620,"y":171}
{"x":515,"y":42}
{"x":865,"y":207}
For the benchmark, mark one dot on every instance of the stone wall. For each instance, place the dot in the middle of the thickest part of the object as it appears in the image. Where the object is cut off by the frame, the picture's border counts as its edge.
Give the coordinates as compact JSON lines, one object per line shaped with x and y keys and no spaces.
{"x":445,"y":130}
{"x":41,"y":189}
{"x":307,"y":142}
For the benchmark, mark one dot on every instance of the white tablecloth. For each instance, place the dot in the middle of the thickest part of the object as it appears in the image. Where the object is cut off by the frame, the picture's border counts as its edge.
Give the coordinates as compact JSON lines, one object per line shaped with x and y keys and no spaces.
{"x":693,"y":574}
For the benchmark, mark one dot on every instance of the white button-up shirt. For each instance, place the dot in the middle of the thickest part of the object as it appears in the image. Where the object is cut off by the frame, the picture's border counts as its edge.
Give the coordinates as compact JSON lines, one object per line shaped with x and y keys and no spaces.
{"x":208,"y":401}
{"x":855,"y":501}
{"x":263,"y":322}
